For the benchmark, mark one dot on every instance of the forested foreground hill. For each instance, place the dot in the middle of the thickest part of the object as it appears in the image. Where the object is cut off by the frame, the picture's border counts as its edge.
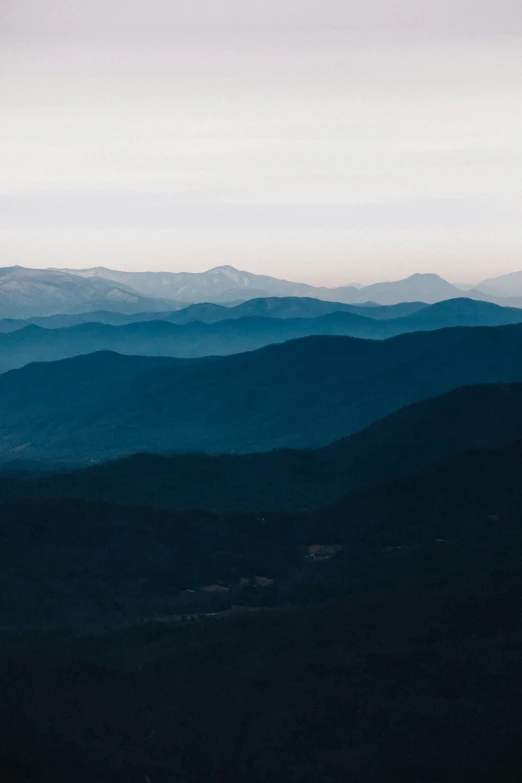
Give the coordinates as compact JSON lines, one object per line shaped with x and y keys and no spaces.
{"x":385,"y":689}
{"x":304,"y":393}
{"x":400,"y":444}
{"x":86,"y":564}
{"x":411,"y":674}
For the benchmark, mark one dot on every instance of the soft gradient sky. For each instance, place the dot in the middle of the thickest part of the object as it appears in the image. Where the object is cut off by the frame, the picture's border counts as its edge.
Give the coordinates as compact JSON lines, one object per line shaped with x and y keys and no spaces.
{"x":328,"y":141}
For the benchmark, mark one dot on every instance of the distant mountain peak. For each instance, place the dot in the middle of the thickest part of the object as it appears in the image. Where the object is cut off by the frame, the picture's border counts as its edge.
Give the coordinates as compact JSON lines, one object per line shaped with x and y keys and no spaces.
{"x":26,"y":293}
{"x":505,"y":285}
{"x":425,"y":276}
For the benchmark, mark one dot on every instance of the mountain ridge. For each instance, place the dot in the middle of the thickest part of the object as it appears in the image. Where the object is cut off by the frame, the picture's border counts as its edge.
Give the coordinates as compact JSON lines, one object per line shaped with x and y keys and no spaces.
{"x":302,"y":393}
{"x":402,"y":443}
{"x":232,"y":335}
{"x":208,"y":312}
{"x":36,"y":292}
{"x":40,"y":292}
{"x":215,"y":283}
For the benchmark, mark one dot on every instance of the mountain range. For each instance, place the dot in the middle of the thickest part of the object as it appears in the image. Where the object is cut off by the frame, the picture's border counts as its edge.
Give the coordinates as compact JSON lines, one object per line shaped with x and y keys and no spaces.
{"x":302,"y":393}
{"x":225,"y":283}
{"x":299,"y":562}
{"x":272,"y":307}
{"x":41,"y":292}
{"x":344,"y":604}
{"x":26,"y":293}
{"x":236,"y":334}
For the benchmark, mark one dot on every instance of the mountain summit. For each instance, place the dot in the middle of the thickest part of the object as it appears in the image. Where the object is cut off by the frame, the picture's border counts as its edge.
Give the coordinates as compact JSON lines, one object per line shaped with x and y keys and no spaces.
{"x":226,"y":284}
{"x":28,"y":293}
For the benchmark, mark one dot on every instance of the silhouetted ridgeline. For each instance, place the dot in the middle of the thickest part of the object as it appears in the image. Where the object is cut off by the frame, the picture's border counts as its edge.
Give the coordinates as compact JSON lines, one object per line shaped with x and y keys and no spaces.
{"x":303,"y":393}
{"x":26,"y":293}
{"x":226,"y":284}
{"x":272,"y":307}
{"x":237,"y":333}
{"x":402,"y":443}
{"x":351,"y":611}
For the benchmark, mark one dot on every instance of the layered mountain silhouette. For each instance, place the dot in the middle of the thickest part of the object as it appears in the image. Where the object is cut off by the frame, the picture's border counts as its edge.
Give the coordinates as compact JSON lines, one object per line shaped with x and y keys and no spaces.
{"x":338,"y":599}
{"x":238,"y":334}
{"x":272,"y":307}
{"x":26,"y":293}
{"x":400,"y":444}
{"x":225,"y":283}
{"x":302,"y":393}
{"x":295,"y":618}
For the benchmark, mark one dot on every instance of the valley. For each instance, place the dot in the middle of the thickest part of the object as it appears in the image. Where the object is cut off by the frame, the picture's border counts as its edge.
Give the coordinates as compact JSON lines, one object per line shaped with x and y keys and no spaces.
{"x":292,"y":560}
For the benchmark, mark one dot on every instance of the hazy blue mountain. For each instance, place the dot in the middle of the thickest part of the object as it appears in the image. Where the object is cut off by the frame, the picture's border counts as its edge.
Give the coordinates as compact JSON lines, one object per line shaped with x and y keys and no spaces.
{"x":457,"y":312}
{"x":273,"y":307}
{"x":236,"y":296}
{"x":402,"y":443}
{"x":191,"y":339}
{"x":303,"y":393}
{"x":287,"y":307}
{"x":40,"y":292}
{"x":63,"y":320}
{"x":128,"y":306}
{"x":160,"y":338}
{"x":29,"y":292}
{"x":419,"y":287}
{"x":222,"y":281}
{"x":460,"y":311}
{"x":226,"y":283}
{"x":293,"y":307}
{"x":509,"y":285}
{"x":386,"y":312}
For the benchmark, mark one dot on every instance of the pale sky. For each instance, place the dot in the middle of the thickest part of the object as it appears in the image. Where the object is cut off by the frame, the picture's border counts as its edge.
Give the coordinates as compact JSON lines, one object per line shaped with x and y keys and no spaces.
{"x":326,"y":141}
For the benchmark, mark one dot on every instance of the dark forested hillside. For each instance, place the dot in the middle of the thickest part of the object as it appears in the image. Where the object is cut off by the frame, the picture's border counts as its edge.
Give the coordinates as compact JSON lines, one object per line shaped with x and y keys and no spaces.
{"x":303,"y":393}
{"x":69,"y":562}
{"x":402,"y":443}
{"x":403,"y":669}
{"x":314,"y":695}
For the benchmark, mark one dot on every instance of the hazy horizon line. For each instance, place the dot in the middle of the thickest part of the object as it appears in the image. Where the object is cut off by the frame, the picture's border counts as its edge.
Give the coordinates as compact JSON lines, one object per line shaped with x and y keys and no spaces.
{"x":356,"y":281}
